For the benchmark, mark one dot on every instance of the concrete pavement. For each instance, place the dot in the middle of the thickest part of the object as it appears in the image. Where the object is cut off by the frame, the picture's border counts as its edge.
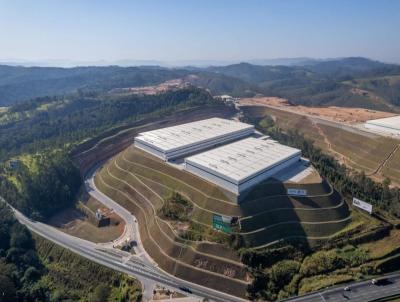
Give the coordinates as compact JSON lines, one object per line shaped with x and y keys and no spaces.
{"x":142,"y":267}
{"x":131,"y":231}
{"x":122,"y":261}
{"x":362,"y":291}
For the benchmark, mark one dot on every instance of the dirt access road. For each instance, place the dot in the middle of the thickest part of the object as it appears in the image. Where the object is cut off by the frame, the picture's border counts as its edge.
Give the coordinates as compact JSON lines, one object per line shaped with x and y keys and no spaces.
{"x":345,"y":115}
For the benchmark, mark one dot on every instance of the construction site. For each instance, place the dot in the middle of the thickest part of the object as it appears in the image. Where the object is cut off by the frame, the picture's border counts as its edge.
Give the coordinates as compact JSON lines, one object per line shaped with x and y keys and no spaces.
{"x":284,"y":199}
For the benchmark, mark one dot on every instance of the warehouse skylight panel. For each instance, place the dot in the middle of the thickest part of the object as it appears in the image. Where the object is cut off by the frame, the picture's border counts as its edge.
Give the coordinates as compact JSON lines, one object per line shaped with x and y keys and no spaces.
{"x":179,"y":141}
{"x":240,"y":165}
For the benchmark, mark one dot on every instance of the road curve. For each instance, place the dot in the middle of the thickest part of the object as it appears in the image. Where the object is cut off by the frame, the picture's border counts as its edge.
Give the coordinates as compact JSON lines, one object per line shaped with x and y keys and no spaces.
{"x":140,"y":265}
{"x":363,"y":291}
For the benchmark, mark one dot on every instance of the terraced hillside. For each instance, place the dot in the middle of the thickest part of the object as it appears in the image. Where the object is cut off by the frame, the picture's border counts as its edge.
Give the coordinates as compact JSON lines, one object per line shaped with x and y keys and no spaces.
{"x":377,"y":156}
{"x":190,"y":248}
{"x":113,"y":141}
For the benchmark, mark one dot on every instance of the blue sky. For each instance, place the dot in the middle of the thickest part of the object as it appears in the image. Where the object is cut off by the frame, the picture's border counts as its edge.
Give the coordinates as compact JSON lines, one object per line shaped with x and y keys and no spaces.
{"x":171,"y":30}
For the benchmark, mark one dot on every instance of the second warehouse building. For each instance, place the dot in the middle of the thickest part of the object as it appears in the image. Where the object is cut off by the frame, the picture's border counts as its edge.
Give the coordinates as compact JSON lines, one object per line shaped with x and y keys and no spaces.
{"x":235,"y":167}
{"x":238,"y":166}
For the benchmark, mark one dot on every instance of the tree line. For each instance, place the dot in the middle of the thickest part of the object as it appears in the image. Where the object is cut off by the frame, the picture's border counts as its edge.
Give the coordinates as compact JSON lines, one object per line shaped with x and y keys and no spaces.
{"x":348,"y":182}
{"x":50,"y":181}
{"x":34,"y":269}
{"x":60,"y":122}
{"x":39,"y":189}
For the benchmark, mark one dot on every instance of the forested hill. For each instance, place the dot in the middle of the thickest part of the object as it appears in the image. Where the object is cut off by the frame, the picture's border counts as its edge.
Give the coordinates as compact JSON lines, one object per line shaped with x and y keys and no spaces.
{"x":57,"y":121}
{"x":19,"y":84}
{"x":39,"y":133}
{"x":34,"y":269}
{"x":350,"y":82}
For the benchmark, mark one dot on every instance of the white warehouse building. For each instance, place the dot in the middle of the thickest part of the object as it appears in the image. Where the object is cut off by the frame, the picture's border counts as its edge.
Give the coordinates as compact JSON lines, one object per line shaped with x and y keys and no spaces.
{"x":179,"y":141}
{"x":389,"y":125}
{"x":238,"y":166}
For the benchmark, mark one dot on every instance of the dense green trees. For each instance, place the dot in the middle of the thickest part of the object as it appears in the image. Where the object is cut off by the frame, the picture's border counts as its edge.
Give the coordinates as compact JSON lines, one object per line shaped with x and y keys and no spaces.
{"x":176,"y":207}
{"x":320,"y":83}
{"x":37,"y":270}
{"x":50,"y":127}
{"x":61,"y":122}
{"x":19,"y":83}
{"x":20,"y":266}
{"x":49,"y":183}
{"x":38,"y":177}
{"x":285,"y":273}
{"x":64,"y":121}
{"x":271,"y":265}
{"x":348,"y":182}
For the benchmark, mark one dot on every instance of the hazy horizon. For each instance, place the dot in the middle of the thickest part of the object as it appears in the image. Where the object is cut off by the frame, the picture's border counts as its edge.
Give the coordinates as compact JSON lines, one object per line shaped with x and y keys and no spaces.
{"x":178,"y":31}
{"x":64,"y":63}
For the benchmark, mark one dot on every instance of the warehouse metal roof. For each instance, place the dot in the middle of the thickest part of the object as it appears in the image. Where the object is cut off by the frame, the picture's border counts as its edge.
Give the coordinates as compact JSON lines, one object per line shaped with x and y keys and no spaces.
{"x":172,"y":138}
{"x":388,"y":122}
{"x":241,"y":160}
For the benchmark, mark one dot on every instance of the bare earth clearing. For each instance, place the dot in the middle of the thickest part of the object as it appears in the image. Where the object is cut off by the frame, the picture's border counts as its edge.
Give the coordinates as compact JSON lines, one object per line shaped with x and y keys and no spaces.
{"x":73,"y":222}
{"x":154,"y":89}
{"x":336,"y":114}
{"x":376,"y":155}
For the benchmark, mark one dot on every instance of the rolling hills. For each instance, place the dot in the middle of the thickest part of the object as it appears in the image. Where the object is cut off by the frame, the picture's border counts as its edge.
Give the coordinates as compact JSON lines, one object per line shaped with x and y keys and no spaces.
{"x":189,"y":247}
{"x":350,"y":82}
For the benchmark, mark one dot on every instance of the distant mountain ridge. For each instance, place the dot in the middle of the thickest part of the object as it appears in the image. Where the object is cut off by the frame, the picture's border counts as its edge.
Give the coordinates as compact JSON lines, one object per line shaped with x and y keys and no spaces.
{"x":352,"y":82}
{"x":299,"y":61}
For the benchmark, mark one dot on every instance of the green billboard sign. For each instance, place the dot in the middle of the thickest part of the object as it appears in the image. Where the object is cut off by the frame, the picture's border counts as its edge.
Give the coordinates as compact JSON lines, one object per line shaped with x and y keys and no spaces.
{"x":222,"y":223}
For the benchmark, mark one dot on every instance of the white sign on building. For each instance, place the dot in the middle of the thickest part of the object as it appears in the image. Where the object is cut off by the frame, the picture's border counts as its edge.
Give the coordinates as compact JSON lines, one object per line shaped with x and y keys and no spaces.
{"x":362,"y":205}
{"x":297,"y":192}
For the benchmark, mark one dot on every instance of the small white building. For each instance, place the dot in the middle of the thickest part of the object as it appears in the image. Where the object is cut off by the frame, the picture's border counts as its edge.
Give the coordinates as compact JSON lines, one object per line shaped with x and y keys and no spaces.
{"x":179,"y":141}
{"x":227,"y":98}
{"x":388,"y":126}
{"x":238,"y":166}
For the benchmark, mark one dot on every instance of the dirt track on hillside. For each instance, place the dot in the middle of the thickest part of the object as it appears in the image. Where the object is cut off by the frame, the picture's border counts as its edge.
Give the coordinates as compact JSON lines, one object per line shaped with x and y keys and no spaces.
{"x":337,"y":114}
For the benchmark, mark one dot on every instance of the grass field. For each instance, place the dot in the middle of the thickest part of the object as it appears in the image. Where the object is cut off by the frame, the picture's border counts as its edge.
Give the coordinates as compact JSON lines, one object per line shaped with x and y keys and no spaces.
{"x":384,"y":247}
{"x":281,"y":215}
{"x":175,"y":255}
{"x":141,"y":183}
{"x":361,"y":152}
{"x":294,"y":229}
{"x":392,"y":168}
{"x":77,"y":277}
{"x":322,"y":281}
{"x":266,"y":215}
{"x":74,"y":223}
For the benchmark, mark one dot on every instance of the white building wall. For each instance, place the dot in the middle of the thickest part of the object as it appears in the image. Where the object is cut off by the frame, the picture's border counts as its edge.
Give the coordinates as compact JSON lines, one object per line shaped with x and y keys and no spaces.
{"x":252,"y":182}
{"x":153,"y":151}
{"x":234,"y":187}
{"x":382,"y":129}
{"x":219,"y":181}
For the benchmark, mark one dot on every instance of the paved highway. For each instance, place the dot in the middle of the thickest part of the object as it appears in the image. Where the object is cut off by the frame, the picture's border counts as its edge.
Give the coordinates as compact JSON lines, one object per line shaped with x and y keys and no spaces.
{"x":139,"y":265}
{"x":121,"y":261}
{"x":131,"y":231}
{"x":359,"y":292}
{"x":148,"y":273}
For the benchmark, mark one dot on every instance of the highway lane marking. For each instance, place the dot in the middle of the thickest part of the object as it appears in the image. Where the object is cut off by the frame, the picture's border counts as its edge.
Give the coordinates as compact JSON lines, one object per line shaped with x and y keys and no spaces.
{"x":173,"y":259}
{"x":161,"y":229}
